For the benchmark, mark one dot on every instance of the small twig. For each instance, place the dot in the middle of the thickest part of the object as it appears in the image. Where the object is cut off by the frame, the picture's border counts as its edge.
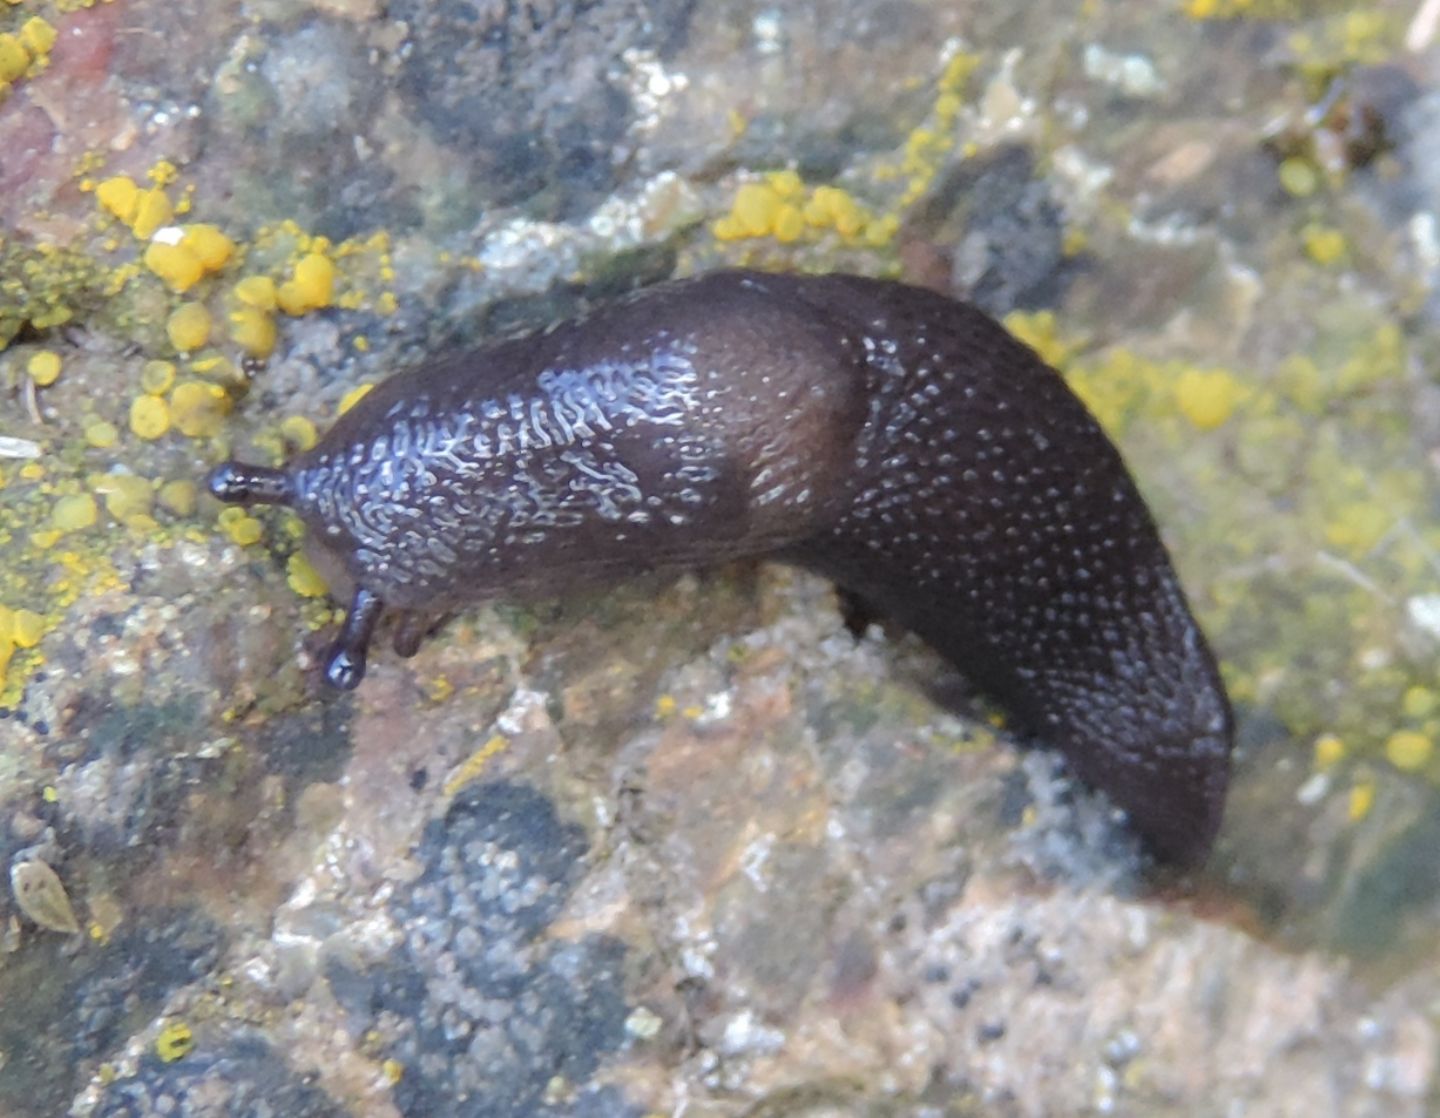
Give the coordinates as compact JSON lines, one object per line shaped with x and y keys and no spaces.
{"x":32,"y":402}
{"x":1353,"y":573}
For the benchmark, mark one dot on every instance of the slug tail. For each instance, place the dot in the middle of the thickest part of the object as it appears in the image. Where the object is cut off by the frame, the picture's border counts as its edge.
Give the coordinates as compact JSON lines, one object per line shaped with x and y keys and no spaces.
{"x":992,"y":516}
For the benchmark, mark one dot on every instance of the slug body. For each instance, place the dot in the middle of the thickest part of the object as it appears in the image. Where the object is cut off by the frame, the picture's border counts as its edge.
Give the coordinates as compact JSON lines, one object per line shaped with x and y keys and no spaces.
{"x":897,"y":441}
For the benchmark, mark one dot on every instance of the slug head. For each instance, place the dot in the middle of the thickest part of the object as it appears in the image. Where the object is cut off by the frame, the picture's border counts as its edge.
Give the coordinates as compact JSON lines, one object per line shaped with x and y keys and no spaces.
{"x":237,"y":483}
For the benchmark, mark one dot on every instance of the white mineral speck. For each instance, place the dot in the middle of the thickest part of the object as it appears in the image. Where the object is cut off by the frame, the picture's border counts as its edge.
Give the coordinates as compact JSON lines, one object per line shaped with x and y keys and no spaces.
{"x":643,"y":1024}
{"x":1313,"y":790}
{"x":1132,"y":74}
{"x":1423,"y":610}
{"x":745,"y":1035}
{"x":766,"y":29}
{"x":753,"y":860}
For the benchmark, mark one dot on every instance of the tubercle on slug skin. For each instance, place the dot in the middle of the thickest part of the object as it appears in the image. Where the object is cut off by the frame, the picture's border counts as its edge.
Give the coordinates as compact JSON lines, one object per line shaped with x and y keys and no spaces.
{"x":895,"y":440}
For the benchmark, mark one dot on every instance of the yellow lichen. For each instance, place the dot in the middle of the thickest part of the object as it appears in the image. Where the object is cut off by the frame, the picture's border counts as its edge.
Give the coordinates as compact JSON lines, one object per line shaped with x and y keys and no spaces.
{"x":181,"y":497}
{"x":240,"y":526}
{"x":1408,"y":750}
{"x":125,"y":495}
{"x":43,"y":367}
{"x":303,"y":578}
{"x":198,"y":409}
{"x":38,"y":36}
{"x":181,"y":257}
{"x":188,"y":327}
{"x":26,"y":628}
{"x":1419,"y":702}
{"x":162,"y":172}
{"x":174,"y":1042}
{"x":101,"y":433}
{"x":119,"y":196}
{"x":14,"y":58}
{"x":311,"y":286}
{"x":211,"y":247}
{"x":175,"y":264}
{"x":149,"y":416}
{"x":258,"y":292}
{"x":1254,"y":9}
{"x":1381,"y":358}
{"x":787,"y":184}
{"x":831,"y":207}
{"x":245,"y":530}
{"x":299,"y":432}
{"x":1342,"y":40}
{"x":1299,"y":177}
{"x":1207,"y":398}
{"x":1329,"y":750}
{"x":353,"y":397}
{"x":754,"y":209}
{"x":881,"y":231}
{"x":292,"y":526}
{"x":931,"y":143}
{"x":1362,"y":799}
{"x":474,"y":765}
{"x":253,"y":330}
{"x":439,"y":689}
{"x":1323,"y":244}
{"x":157,"y":377}
{"x":1357,"y":527}
{"x":789,"y":225}
{"x":7,"y":637}
{"x":1038,"y":330}
{"x":74,"y":513}
{"x":1299,"y":379}
{"x":778,"y":206}
{"x":152,"y":210}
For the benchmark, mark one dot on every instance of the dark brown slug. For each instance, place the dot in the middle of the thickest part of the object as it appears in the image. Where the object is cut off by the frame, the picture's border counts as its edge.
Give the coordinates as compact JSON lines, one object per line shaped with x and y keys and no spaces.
{"x":897,"y":441}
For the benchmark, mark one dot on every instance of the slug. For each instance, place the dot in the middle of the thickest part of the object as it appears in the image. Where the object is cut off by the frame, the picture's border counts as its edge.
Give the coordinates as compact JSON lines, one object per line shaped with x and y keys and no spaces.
{"x":897,"y":441}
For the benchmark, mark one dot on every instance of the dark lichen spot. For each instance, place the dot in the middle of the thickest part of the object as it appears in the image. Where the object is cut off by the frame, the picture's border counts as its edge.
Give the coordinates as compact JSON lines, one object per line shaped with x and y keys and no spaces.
{"x":1007,"y":229}
{"x":532,"y":94}
{"x":485,"y":1008}
{"x":68,"y":1012}
{"x":242,"y":1078}
{"x":138,"y":768}
{"x":308,"y":745}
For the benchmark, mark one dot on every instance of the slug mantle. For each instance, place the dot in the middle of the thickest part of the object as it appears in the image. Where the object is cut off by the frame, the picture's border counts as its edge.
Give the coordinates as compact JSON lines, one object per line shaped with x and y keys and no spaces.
{"x":895,"y":440}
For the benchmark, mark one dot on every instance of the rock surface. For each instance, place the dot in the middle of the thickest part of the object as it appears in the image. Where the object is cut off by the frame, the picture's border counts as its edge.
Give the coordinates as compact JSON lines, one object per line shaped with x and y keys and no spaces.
{"x":690,"y":847}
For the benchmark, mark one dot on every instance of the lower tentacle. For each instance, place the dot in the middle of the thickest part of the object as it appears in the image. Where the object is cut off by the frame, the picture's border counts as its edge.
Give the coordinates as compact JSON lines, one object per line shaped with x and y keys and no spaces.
{"x":345,"y":666}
